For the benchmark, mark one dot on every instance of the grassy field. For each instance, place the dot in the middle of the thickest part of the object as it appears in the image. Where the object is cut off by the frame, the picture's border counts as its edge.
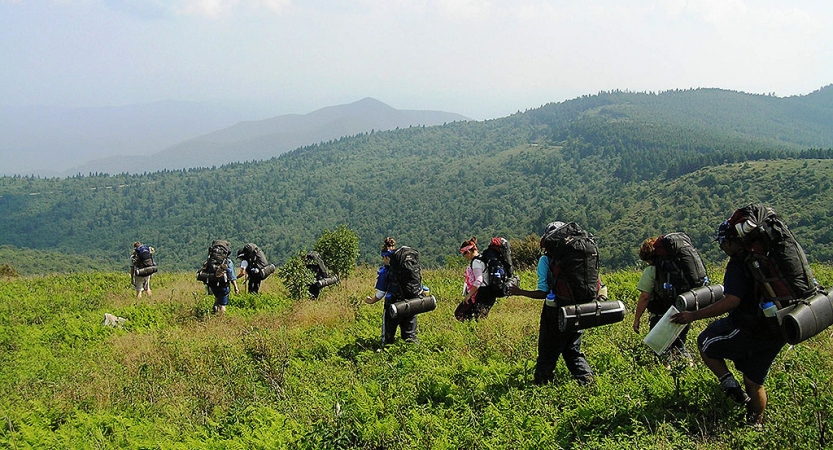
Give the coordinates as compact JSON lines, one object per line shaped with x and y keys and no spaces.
{"x":273,"y":373}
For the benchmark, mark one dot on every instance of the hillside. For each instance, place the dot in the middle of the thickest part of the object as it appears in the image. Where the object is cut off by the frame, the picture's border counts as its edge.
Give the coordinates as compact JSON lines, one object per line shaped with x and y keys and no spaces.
{"x":273,"y":373}
{"x":624,"y":165}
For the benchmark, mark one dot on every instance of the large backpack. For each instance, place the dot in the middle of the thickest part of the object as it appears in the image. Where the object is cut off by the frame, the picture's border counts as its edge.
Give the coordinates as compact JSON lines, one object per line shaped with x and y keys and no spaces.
{"x":773,"y":255}
{"x":143,"y":256}
{"x":315,"y":263}
{"x":213,"y":270}
{"x":498,"y":260}
{"x":678,"y":269}
{"x":404,"y":266}
{"x":254,"y":255}
{"x":574,"y":263}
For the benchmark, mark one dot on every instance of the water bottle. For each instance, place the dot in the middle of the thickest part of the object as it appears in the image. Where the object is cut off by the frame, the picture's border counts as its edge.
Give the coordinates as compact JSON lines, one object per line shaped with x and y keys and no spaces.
{"x":769,"y":309}
{"x":668,"y":288}
{"x":425,"y":291}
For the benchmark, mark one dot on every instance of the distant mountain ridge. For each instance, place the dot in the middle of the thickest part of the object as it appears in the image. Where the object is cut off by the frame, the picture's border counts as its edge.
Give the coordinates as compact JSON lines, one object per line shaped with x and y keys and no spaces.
{"x":268,"y":138}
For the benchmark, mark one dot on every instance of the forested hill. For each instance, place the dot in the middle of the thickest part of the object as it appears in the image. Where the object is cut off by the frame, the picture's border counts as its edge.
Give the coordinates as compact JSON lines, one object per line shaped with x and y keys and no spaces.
{"x":624,"y":165}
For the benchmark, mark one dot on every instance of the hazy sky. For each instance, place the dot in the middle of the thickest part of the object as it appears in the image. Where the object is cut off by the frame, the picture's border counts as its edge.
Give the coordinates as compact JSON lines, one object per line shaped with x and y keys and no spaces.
{"x":483,"y":59}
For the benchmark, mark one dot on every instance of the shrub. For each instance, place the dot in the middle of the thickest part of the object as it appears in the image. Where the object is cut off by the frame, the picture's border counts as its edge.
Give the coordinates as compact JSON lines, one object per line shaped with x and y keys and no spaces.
{"x":7,"y":271}
{"x":525,"y":252}
{"x":296,"y":277}
{"x":339,"y":249}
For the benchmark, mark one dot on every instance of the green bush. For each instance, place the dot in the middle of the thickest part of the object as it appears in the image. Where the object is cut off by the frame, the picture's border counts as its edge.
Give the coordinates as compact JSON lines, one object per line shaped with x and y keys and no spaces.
{"x":296,"y":277}
{"x":339,"y":249}
{"x":525,"y":252}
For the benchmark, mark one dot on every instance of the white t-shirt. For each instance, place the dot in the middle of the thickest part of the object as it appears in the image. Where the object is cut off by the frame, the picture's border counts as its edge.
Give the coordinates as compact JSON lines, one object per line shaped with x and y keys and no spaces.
{"x":478,"y":268}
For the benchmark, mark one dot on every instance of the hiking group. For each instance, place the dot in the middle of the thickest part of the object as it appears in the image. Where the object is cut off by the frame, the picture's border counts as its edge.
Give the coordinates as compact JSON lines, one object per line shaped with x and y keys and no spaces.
{"x":769,"y":293}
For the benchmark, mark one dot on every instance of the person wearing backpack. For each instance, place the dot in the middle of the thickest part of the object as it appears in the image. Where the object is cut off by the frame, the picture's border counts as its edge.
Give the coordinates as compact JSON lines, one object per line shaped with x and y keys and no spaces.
{"x":254,"y":266}
{"x":141,"y":257}
{"x":217,"y":272}
{"x":744,"y":336}
{"x":552,"y":343}
{"x":476,"y":302}
{"x":653,"y":301}
{"x":387,"y":288}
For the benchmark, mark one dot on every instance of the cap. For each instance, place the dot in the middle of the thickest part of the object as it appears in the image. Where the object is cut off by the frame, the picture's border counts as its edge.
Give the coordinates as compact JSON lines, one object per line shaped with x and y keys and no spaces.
{"x":552,"y":226}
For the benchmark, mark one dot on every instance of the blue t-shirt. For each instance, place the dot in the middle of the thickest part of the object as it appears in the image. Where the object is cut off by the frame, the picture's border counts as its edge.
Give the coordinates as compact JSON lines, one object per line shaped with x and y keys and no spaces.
{"x":385,"y":282}
{"x":544,"y":278}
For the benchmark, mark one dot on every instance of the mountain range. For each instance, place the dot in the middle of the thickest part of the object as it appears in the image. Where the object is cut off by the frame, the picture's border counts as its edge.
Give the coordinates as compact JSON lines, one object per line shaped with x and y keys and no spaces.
{"x":624,"y":165}
{"x":177,"y":135}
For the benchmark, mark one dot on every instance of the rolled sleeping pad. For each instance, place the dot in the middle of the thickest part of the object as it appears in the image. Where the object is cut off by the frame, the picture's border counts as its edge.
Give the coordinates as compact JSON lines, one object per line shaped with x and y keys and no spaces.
{"x":266,"y":271}
{"x":699,"y":297}
{"x":263,"y":273}
{"x":324,"y":282}
{"x":413,"y":307}
{"x":808,"y":318}
{"x":203,"y":276}
{"x":146,"y":271}
{"x":588,"y":315}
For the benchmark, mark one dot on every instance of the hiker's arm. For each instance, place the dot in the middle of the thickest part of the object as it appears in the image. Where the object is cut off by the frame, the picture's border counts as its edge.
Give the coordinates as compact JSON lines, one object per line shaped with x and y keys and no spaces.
{"x":720,"y":307}
{"x":470,"y":294}
{"x":515,"y":290}
{"x":641,"y":306}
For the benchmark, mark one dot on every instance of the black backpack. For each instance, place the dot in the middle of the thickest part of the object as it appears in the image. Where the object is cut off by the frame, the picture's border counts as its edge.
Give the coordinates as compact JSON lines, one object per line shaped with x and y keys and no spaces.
{"x":574,"y":263}
{"x":143,"y":257}
{"x":213,"y":270}
{"x":773,"y":255}
{"x":404,"y":266}
{"x":254,"y":255}
{"x":679,"y":268}
{"x":498,"y":260}
{"x":315,"y":263}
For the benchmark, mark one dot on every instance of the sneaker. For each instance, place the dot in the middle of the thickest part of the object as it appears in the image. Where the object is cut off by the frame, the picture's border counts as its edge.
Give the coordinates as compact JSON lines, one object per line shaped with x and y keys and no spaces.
{"x":754,"y":420}
{"x":737,"y":394}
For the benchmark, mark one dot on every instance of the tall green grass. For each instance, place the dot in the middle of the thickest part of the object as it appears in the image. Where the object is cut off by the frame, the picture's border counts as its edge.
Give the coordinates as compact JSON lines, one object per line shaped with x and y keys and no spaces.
{"x":273,"y":373}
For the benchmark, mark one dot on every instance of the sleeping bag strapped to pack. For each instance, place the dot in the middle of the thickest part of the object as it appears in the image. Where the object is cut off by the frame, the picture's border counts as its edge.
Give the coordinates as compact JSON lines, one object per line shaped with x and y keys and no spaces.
{"x":258,"y":265}
{"x":404,"y":266}
{"x":574,"y":263}
{"x":678,"y":269}
{"x":143,"y":263}
{"x":213,"y":270}
{"x":498,"y":261}
{"x":774,"y":256}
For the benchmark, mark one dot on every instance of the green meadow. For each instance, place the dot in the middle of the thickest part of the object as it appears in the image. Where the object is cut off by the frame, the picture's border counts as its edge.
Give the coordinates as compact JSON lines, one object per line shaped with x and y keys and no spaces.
{"x":276,"y":373}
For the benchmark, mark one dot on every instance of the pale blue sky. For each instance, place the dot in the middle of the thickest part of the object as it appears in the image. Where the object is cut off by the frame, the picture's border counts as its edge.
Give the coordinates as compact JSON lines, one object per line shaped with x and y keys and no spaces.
{"x":483,"y":59}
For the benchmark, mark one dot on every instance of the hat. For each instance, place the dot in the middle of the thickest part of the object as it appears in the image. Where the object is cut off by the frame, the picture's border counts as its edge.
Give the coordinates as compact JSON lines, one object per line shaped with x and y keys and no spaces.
{"x":725,"y":231}
{"x":552,"y":226}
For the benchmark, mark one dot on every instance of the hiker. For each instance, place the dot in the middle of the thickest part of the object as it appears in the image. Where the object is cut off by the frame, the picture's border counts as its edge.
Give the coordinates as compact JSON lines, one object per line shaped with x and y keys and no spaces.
{"x":743,"y":337}
{"x":142,"y":268}
{"x":476,"y":302}
{"x":387,"y":288}
{"x":323,"y":278}
{"x":551,"y":341}
{"x":254,"y":266}
{"x":217,"y":272}
{"x":223,"y":288}
{"x":652,"y":300}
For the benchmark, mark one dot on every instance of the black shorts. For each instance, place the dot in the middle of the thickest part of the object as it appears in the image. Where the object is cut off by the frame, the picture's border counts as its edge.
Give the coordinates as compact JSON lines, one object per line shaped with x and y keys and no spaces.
{"x":753,"y":356}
